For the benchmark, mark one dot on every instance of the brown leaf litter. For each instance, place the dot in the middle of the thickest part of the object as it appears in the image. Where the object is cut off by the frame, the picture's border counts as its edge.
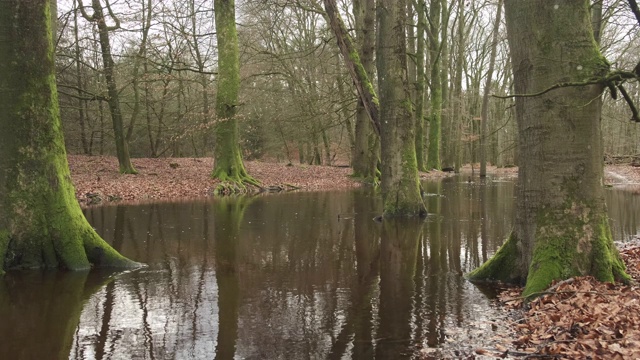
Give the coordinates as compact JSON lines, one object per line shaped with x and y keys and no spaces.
{"x":578,"y":318}
{"x":97,"y":180}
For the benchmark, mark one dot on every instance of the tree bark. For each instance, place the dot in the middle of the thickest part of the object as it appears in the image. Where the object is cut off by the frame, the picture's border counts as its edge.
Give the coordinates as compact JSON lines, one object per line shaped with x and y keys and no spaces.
{"x":228,"y":159}
{"x":400,"y":184}
{"x":561,"y":228}
{"x":457,"y":101}
{"x":352,"y":59}
{"x":122,"y":148}
{"x":484,"y":112}
{"x":435,"y":121}
{"x":366,"y":154}
{"x":420,"y":84}
{"x":41,"y":223}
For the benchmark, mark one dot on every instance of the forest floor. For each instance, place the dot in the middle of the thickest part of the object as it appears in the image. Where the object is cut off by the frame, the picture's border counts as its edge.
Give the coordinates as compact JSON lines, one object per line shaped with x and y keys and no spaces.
{"x":579,"y":318}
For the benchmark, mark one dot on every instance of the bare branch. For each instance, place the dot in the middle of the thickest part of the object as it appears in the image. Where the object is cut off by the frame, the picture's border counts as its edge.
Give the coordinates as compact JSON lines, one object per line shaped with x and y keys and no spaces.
{"x":632,"y":106}
{"x":84,"y":12}
{"x":113,"y":16}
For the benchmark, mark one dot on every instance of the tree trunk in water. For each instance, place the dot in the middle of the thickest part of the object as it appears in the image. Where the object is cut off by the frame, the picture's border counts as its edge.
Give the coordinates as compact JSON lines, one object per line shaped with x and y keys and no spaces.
{"x":41,"y":223}
{"x":484,"y":113}
{"x":366,"y":153}
{"x":400,"y":184}
{"x":562,"y":228}
{"x":228,"y":159}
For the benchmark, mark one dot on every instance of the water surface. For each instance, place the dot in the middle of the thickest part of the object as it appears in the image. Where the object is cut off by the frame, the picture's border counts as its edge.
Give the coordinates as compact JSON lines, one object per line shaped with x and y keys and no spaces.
{"x":290,"y":276}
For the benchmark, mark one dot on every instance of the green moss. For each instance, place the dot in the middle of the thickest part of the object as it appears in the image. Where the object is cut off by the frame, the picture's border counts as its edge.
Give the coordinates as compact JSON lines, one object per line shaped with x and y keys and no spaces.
{"x":503,"y":265}
{"x":574,"y":242}
{"x":606,"y":262}
{"x":405,"y":199}
{"x":362,"y":75}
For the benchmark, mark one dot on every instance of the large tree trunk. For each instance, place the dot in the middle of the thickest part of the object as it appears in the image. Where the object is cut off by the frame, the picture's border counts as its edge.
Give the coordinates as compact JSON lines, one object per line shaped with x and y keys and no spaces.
{"x":400,"y":183}
{"x":561,"y":227}
{"x":41,"y":224}
{"x":228,"y":159}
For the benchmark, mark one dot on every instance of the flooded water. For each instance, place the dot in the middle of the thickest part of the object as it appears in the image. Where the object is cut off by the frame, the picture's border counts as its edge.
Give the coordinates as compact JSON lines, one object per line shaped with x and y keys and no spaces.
{"x":290,"y":276}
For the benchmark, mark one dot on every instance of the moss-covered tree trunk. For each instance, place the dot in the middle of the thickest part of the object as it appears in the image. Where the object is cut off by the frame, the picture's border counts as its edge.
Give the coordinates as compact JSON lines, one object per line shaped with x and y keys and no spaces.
{"x":484,"y":113}
{"x":561,"y":227}
{"x":400,"y":184}
{"x":41,"y":223}
{"x":228,"y":165}
{"x":421,"y":81}
{"x":122,"y":148}
{"x":455,"y":141}
{"x":359,"y":74}
{"x":366,"y":153}
{"x":435,"y":120}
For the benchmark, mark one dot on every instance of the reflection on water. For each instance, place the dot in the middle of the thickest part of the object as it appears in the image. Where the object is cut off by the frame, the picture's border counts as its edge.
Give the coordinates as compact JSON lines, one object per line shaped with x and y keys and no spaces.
{"x":292,"y":276}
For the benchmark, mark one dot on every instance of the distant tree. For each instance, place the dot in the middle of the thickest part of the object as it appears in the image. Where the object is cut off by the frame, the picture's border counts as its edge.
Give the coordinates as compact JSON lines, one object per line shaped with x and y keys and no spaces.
{"x":98,"y":17}
{"x":435,"y":55}
{"x":41,"y":223}
{"x":487,"y":88}
{"x":228,"y":164}
{"x":561,"y":227}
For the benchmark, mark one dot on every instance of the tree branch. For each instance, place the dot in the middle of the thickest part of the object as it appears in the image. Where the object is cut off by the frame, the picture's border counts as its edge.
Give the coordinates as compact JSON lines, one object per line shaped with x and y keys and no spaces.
{"x":84,"y":12}
{"x":614,"y":77}
{"x":113,"y":16}
{"x":634,"y":111}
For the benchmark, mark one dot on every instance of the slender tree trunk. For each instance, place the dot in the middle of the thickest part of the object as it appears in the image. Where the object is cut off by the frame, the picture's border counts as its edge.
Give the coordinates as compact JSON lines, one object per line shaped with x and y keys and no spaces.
{"x":366,"y":153}
{"x":358,"y":73}
{"x":445,"y":113}
{"x":420,"y":84}
{"x":81,"y":103}
{"x":400,"y":184}
{"x":228,"y":159}
{"x":561,"y":228}
{"x":435,"y":125}
{"x":122,"y":148}
{"x":141,"y":59}
{"x":41,"y":223}
{"x":487,"y":90}
{"x":457,"y":89}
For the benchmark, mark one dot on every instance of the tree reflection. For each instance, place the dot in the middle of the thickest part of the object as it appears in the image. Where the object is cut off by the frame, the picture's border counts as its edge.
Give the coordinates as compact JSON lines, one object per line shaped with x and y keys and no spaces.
{"x":398,"y":255}
{"x":227,"y":214}
{"x":41,"y":309}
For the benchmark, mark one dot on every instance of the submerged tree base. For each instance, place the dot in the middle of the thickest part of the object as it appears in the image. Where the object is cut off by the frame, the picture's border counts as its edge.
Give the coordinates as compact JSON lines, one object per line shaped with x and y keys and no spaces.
{"x":557,"y":255}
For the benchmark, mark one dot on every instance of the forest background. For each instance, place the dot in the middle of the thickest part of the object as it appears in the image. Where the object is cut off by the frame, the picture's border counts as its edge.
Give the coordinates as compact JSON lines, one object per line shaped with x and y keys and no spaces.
{"x":297,"y":100}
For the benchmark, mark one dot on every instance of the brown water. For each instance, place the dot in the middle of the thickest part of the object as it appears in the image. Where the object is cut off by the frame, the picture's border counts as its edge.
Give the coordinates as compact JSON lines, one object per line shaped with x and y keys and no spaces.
{"x":291,"y":276}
